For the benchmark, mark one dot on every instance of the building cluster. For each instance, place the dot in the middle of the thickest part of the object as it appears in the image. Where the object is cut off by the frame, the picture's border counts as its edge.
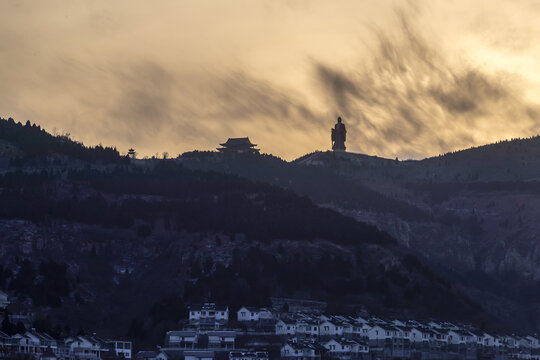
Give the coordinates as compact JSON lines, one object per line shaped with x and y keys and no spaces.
{"x":364,"y":337}
{"x":266,"y":333}
{"x":39,"y":345}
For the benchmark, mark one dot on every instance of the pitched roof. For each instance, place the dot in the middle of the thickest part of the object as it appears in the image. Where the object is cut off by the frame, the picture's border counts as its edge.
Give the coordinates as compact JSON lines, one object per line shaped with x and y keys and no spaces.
{"x":238,"y":142}
{"x":208,"y":306}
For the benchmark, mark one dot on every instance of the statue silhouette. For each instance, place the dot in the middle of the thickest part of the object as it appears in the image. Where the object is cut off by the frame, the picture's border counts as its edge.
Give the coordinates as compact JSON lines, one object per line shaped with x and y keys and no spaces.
{"x":339,"y":134}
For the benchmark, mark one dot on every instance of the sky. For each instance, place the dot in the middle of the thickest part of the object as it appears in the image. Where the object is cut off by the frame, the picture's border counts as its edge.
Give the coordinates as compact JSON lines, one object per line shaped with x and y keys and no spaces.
{"x":411,"y":79}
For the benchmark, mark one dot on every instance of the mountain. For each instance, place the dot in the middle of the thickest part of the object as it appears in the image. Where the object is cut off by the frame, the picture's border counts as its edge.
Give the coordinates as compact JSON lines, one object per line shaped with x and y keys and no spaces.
{"x":105,"y":244}
{"x":472,"y":214}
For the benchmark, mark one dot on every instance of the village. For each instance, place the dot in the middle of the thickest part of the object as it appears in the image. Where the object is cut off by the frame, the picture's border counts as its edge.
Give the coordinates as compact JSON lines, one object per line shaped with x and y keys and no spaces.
{"x":298,"y":330}
{"x":290,"y":329}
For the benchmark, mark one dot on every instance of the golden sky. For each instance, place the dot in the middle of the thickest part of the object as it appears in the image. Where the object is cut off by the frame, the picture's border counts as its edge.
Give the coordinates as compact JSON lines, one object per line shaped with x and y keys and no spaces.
{"x":410,"y":78}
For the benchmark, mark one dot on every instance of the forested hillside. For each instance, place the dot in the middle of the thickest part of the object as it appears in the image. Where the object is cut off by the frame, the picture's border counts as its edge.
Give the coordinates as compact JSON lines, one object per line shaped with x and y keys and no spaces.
{"x":121,"y":249}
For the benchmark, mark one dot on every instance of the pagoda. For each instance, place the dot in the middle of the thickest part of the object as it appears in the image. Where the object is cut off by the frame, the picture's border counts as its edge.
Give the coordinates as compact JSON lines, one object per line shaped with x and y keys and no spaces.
{"x":238,"y":146}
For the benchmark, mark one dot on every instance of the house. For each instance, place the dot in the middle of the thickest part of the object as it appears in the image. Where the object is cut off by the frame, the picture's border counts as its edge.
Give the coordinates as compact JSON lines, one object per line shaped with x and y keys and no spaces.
{"x":417,"y":335}
{"x":488,"y":340}
{"x":185,"y":339}
{"x":459,"y":337}
{"x":42,"y":340}
{"x":199,"y":355}
{"x":441,"y":335}
{"x":510,"y":342}
{"x":208,"y":315}
{"x":221,"y":339}
{"x":345,"y":348}
{"x":331,"y":328}
{"x":120,"y":348}
{"x":86,"y":347}
{"x":248,"y":355}
{"x":307,"y":328}
{"x":381,"y":332}
{"x":523,"y":343}
{"x":534,"y":341}
{"x":248,"y":314}
{"x":285,"y":327}
{"x":302,"y":350}
{"x":24,"y":344}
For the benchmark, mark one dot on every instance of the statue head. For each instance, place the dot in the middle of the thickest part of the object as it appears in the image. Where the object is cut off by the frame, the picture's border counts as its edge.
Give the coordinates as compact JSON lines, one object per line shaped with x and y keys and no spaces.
{"x":339,"y":119}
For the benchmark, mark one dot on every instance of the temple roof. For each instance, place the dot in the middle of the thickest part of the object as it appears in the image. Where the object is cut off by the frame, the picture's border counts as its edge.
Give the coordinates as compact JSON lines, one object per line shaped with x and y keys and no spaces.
{"x":234,"y":142}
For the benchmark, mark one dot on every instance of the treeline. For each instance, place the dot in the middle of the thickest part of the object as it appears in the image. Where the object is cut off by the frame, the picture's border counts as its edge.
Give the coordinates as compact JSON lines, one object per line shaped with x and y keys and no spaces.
{"x":255,"y":275}
{"x":183,"y":199}
{"x":46,"y":285}
{"x":36,"y":142}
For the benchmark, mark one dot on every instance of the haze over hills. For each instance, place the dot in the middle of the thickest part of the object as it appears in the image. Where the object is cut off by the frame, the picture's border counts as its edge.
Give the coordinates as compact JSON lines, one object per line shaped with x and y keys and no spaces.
{"x":132,"y":240}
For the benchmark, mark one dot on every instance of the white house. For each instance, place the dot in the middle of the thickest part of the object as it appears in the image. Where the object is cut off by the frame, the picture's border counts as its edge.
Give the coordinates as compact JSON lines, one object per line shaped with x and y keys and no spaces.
{"x":381,"y":332}
{"x":360,"y":330}
{"x":330,"y":328}
{"x":510,"y":341}
{"x":345,"y":348}
{"x":286,"y":327}
{"x":24,"y":344}
{"x":185,"y":339}
{"x":535,"y":343}
{"x":302,"y":350}
{"x":458,"y":337}
{"x":248,"y":314}
{"x":417,"y":334}
{"x":120,"y":348}
{"x":208,"y":315}
{"x":523,"y":343}
{"x":86,"y":347}
{"x":306,"y":327}
{"x":488,"y":340}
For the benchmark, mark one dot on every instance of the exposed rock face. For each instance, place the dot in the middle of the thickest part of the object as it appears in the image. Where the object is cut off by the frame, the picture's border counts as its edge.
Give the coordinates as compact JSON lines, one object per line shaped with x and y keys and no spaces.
{"x":472,"y":214}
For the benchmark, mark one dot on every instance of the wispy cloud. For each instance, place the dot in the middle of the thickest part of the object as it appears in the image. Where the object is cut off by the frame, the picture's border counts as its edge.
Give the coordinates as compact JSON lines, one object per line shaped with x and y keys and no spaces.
{"x":160,"y":79}
{"x":407,"y":99}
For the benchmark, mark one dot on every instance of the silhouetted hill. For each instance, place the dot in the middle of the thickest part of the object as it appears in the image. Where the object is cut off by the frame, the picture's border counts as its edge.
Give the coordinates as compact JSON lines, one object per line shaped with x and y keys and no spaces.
{"x":473,"y":214}
{"x":20,"y":144}
{"x":130,"y":240}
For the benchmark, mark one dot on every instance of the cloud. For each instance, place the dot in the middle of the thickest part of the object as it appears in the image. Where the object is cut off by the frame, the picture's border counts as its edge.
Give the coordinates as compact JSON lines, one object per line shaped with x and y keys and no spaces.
{"x":407,"y":99}
{"x":177,"y":77}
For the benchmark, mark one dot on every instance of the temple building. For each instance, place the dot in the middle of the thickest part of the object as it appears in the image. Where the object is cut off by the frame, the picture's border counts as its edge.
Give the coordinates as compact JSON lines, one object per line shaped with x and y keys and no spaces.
{"x":238,"y":146}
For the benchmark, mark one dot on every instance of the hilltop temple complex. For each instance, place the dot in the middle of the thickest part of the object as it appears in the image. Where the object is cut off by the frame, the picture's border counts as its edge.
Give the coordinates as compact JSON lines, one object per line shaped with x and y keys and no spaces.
{"x":235,"y":146}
